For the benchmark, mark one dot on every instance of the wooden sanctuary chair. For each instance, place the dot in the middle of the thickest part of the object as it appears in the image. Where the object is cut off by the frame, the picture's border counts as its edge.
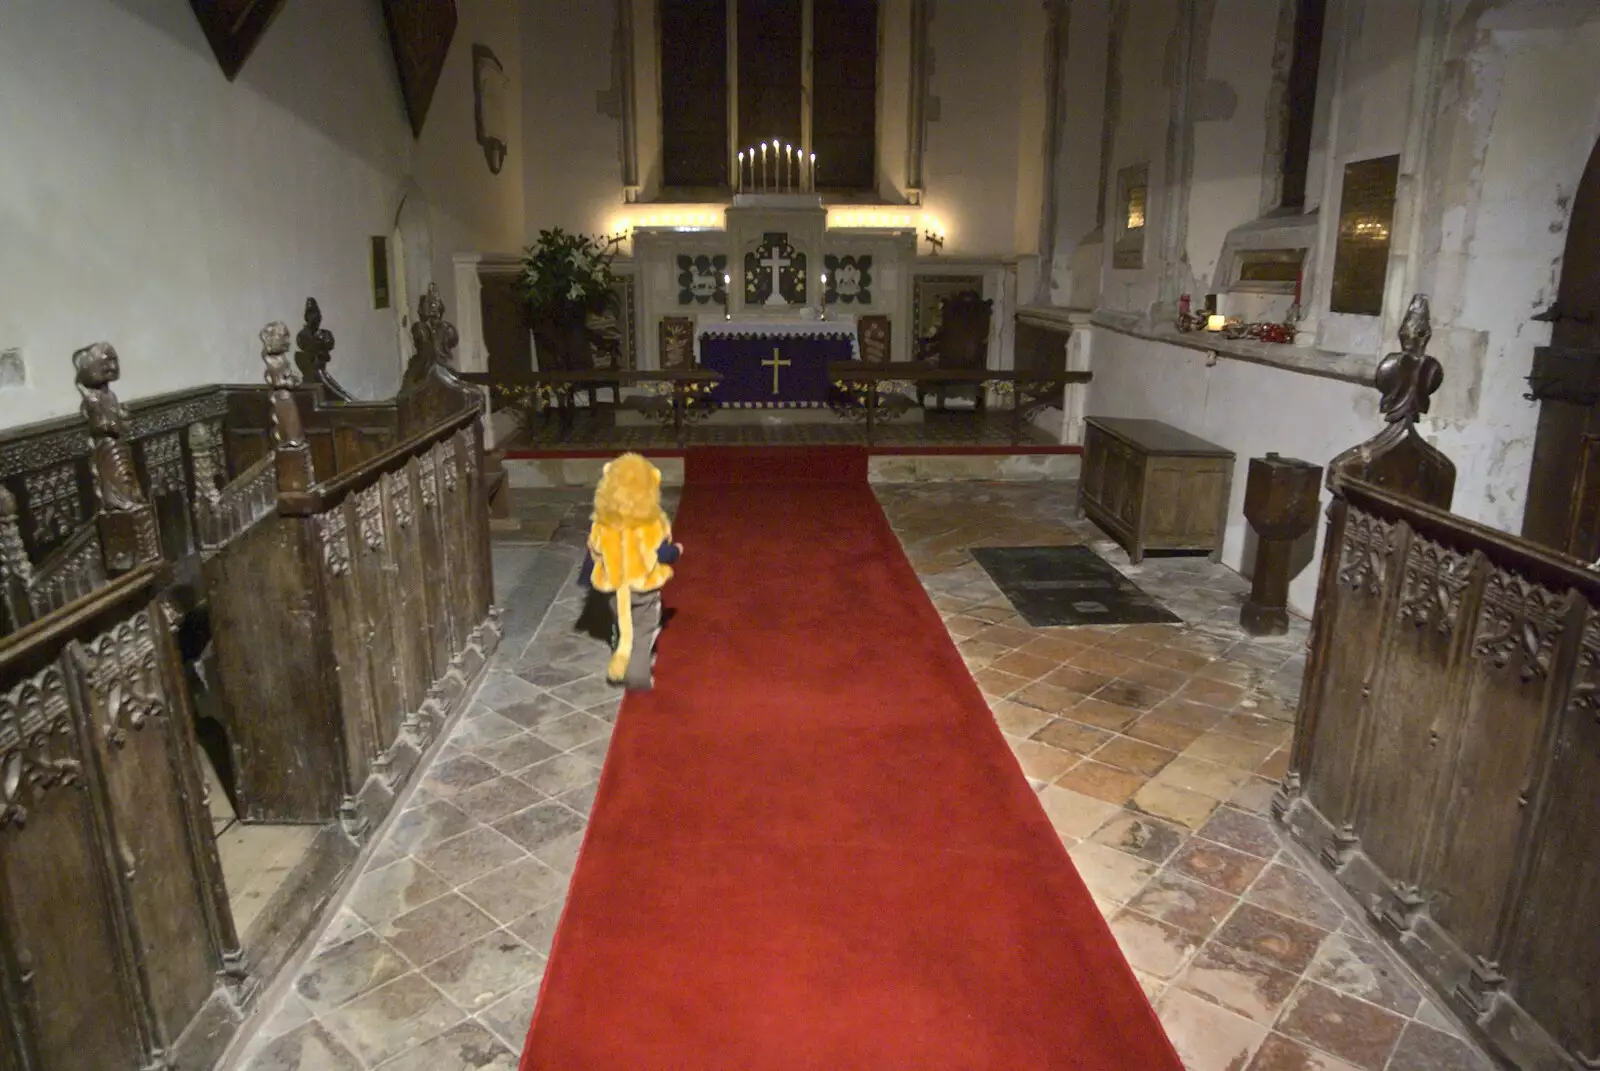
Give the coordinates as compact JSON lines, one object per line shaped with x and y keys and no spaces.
{"x":962,"y":340}
{"x":872,"y":334}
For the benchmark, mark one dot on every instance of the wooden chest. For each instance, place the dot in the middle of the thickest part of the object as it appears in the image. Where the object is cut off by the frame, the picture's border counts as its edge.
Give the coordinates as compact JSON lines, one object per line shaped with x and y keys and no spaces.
{"x":1153,"y":487}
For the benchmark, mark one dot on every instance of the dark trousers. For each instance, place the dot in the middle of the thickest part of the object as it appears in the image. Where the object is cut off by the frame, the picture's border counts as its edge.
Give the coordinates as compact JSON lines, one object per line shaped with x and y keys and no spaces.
{"x":646,"y":607}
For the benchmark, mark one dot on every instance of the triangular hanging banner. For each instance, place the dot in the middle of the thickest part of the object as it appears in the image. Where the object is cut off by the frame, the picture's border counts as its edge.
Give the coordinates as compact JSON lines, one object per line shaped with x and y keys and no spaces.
{"x":419,"y":32}
{"x":233,"y":27}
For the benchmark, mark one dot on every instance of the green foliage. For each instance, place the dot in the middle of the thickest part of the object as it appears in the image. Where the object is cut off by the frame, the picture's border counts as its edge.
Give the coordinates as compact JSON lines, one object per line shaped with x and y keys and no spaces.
{"x":566,"y":276}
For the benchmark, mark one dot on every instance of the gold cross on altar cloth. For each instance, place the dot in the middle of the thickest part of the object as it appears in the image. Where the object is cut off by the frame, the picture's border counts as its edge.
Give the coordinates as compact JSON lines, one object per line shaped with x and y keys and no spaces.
{"x":775,"y":363}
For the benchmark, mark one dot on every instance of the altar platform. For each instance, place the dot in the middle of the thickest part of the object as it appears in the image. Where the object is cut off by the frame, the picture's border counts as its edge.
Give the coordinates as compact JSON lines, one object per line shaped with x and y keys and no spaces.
{"x":941,"y":446}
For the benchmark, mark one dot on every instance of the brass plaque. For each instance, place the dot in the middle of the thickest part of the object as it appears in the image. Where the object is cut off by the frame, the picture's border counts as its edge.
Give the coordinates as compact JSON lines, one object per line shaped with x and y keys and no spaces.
{"x":1366,"y":216}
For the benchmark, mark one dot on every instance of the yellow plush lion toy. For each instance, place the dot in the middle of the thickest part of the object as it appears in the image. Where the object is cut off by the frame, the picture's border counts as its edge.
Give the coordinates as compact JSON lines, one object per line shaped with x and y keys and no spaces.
{"x":628,"y":539}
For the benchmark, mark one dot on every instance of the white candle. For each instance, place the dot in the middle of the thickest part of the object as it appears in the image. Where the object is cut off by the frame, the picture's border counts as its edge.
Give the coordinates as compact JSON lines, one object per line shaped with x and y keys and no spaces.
{"x":777,"y":182}
{"x":788,"y":166}
{"x":813,"y":186}
{"x":762,"y":181}
{"x":738,"y":176}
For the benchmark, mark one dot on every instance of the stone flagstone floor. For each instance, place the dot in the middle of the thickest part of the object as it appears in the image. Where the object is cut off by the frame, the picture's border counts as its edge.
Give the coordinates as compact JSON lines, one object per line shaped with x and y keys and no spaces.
{"x":1154,"y":750}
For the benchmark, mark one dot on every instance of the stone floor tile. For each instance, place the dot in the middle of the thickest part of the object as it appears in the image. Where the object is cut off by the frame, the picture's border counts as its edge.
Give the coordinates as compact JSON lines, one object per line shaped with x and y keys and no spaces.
{"x":1359,"y":1033}
{"x":545,"y":674}
{"x":581,"y":799}
{"x":461,"y":859}
{"x":1074,"y":814}
{"x":1243,"y":832}
{"x":1094,"y":779}
{"x":1103,"y":715}
{"x":1165,"y":734}
{"x":1046,"y":697}
{"x":291,"y":1014}
{"x":574,"y":731}
{"x":561,"y":854}
{"x":538,"y":928}
{"x":1208,"y":1037}
{"x":1296,"y":894}
{"x":1423,"y":1048}
{"x":1027,"y":666}
{"x":1141,"y":836}
{"x":1279,"y":1053}
{"x":468,"y":1047}
{"x":1041,"y":762}
{"x":1174,"y":899}
{"x":346,"y":925}
{"x":494,"y":800}
{"x":1135,"y":756}
{"x":1109,"y":874}
{"x":586,"y":691}
{"x":1188,"y":713}
{"x":392,"y":1019}
{"x":1150,"y":945}
{"x":427,"y":824}
{"x":508,"y":1018}
{"x":1255,"y":728}
{"x":560,"y":774}
{"x":1220,"y":867}
{"x":540,"y":825}
{"x":479,"y":974}
{"x":1076,"y":680}
{"x":501,"y":689}
{"x":1205,"y":778}
{"x":1364,"y":970}
{"x":343,"y":972}
{"x":402,"y":886}
{"x":1016,"y":719}
{"x":1265,"y":937}
{"x":311,"y":1047}
{"x":1225,"y":750}
{"x":513,"y":891}
{"x":1069,"y":735}
{"x":1255,"y":795}
{"x":482,"y":731}
{"x":1174,"y":804}
{"x":436,"y":929}
{"x":1130,"y":694}
{"x":517,"y":752}
{"x":998,"y":683}
{"x":1239,"y":982}
{"x":453,"y":776}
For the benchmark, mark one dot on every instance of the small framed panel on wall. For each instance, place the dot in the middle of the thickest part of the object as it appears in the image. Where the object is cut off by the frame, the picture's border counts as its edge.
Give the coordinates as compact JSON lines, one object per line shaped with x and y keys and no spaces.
{"x":928,"y":293}
{"x":1361,"y":252}
{"x":1133,"y":199}
{"x":420,"y":32}
{"x":623,"y":292}
{"x":233,"y":28}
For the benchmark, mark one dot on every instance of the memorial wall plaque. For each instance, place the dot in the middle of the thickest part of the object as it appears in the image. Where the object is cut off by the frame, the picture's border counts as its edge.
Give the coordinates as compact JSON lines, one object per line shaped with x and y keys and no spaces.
{"x":1366,"y":216}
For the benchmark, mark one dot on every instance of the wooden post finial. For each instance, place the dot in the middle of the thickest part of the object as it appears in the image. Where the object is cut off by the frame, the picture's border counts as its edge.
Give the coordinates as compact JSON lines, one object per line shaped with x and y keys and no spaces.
{"x":127,"y":523}
{"x":314,"y":352}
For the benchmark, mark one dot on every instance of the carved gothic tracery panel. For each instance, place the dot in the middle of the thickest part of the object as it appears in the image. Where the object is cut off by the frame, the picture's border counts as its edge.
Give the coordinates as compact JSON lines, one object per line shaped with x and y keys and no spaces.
{"x":37,"y":749}
{"x":124,"y":677}
{"x":1519,"y":619}
{"x":369,"y":517}
{"x":1364,"y":552}
{"x":335,"y":541}
{"x":1435,"y":579}
{"x":163,"y":461}
{"x":400,"y":496}
{"x":53,"y":503}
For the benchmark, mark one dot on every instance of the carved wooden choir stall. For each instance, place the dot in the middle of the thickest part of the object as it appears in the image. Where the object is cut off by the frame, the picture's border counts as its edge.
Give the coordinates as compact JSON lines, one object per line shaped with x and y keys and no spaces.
{"x":308,"y":571}
{"x":1447,"y":750}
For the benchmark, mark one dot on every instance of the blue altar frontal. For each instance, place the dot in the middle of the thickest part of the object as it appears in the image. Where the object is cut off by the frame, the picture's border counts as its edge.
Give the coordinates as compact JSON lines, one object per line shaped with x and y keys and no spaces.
{"x":775,"y":368}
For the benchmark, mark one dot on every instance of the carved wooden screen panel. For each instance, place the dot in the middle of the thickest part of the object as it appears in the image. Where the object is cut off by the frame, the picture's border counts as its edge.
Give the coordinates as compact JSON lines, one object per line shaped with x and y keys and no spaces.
{"x":455,"y":501}
{"x":139,"y":726}
{"x":165,"y":477}
{"x":408,"y":584}
{"x":1361,"y":553}
{"x":470,"y":447}
{"x":59,"y":948}
{"x":372,"y":569}
{"x":275,"y":673}
{"x":435,"y":558}
{"x":1563,"y":884}
{"x":336,"y":536}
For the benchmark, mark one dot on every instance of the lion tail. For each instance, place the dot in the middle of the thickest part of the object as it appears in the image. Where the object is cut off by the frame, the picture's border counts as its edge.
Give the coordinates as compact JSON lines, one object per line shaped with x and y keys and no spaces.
{"x":618,"y":666}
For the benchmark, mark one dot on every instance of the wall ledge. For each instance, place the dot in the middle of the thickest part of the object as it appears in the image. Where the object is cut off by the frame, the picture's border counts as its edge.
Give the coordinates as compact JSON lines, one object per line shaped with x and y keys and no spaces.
{"x":1306,"y":360}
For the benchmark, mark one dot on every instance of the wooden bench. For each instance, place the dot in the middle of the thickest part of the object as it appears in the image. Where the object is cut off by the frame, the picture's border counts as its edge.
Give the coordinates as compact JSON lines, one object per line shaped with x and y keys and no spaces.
{"x":1151,"y":486}
{"x":1033,"y":389}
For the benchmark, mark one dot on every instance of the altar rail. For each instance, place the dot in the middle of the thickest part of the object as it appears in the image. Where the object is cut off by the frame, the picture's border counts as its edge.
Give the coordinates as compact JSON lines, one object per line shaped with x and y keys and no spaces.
{"x":115,"y":934}
{"x":1447,"y":751}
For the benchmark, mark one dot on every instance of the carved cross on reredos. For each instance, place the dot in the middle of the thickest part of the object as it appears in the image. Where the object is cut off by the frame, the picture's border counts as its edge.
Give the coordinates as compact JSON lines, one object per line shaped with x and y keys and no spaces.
{"x":774,"y":273}
{"x":1397,"y":458}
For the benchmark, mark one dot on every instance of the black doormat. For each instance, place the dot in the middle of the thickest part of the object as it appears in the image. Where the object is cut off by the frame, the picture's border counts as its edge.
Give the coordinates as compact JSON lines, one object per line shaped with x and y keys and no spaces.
{"x":1052,"y":587}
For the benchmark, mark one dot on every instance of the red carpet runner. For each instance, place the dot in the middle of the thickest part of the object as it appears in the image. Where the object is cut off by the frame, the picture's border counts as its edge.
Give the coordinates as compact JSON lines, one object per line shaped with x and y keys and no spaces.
{"x":811,"y":847}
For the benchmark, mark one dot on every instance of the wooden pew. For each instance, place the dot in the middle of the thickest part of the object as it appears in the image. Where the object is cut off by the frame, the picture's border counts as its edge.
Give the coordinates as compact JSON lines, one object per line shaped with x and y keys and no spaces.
{"x":1447,"y":747}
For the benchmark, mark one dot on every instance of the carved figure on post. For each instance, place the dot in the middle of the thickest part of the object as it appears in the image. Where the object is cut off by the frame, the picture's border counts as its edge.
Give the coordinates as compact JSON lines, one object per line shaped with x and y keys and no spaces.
{"x":115,"y":480}
{"x":288,"y":433}
{"x":1397,"y":458}
{"x":315,"y":350}
{"x":434,"y":337}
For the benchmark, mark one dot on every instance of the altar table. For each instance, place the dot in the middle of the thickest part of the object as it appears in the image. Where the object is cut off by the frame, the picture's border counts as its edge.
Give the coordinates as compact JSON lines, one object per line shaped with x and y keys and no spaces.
{"x":767,"y":365}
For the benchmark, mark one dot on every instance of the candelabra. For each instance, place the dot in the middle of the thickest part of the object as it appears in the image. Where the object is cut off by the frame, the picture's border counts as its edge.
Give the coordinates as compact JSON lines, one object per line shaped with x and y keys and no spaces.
{"x":774,"y":167}
{"x":935,"y":242}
